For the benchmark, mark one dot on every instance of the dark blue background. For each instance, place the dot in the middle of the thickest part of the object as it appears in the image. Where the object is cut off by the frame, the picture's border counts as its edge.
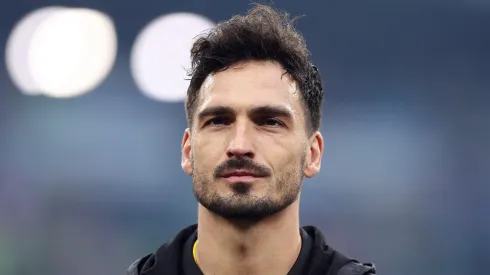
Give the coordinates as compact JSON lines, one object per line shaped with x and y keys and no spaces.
{"x":90,"y":183}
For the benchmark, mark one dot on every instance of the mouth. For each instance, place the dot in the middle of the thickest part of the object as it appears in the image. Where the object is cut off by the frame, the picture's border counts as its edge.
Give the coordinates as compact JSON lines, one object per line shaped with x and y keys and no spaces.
{"x":241,"y":176}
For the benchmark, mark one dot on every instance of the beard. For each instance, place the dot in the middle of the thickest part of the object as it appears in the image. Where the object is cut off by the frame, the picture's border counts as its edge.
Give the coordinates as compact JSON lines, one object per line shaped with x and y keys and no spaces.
{"x":242,"y":204}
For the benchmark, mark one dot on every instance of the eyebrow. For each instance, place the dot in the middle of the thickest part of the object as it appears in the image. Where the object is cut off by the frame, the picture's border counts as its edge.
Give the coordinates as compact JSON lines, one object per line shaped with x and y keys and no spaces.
{"x":273,"y":111}
{"x":267,"y":110}
{"x":214,"y":111}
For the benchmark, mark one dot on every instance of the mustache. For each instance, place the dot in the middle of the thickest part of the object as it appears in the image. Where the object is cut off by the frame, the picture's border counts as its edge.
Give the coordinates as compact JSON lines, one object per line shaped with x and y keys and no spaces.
{"x":241,"y":164}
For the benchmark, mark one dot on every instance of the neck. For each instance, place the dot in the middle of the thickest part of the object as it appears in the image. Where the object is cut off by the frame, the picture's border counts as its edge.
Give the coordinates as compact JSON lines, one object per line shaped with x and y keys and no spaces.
{"x":270,"y":246}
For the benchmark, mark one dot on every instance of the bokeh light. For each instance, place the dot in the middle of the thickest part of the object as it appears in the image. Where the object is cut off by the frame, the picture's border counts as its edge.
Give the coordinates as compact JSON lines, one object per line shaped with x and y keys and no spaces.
{"x":160,"y":56}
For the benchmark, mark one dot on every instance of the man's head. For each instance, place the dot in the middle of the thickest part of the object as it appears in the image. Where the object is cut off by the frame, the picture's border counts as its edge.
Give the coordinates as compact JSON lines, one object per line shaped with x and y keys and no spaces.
{"x":253,"y":108}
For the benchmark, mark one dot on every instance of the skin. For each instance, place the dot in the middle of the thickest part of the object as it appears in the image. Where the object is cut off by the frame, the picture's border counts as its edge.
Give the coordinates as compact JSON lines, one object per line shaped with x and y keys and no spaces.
{"x":250,"y":117}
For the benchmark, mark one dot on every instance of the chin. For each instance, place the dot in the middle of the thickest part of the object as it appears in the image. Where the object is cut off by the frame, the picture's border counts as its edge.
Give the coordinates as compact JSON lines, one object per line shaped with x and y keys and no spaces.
{"x":242,"y":188}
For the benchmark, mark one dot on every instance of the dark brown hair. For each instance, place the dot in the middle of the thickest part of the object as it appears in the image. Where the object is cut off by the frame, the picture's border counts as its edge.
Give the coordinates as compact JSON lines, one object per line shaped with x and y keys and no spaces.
{"x":264,"y":33}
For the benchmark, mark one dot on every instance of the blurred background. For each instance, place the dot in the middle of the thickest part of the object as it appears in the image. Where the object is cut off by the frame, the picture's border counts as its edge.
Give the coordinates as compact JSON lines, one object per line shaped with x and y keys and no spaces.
{"x":92,"y":116}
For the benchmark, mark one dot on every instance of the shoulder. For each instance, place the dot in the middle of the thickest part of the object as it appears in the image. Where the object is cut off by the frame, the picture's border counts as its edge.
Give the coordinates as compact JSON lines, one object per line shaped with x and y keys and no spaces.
{"x":356,"y":268}
{"x":166,"y":259}
{"x":331,"y":261}
{"x":136,"y":266}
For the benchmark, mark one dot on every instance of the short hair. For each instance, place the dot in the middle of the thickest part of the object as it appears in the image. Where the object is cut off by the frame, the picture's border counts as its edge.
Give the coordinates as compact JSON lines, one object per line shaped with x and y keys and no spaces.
{"x":264,"y":33}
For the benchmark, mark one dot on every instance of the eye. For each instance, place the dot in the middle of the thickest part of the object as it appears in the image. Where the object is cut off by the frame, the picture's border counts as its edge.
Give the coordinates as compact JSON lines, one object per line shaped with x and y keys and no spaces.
{"x":217,"y":121}
{"x":271,"y":122}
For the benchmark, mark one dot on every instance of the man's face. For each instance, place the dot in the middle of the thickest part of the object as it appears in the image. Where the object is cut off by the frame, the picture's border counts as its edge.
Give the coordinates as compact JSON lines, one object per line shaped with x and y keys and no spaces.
{"x":248,"y":149}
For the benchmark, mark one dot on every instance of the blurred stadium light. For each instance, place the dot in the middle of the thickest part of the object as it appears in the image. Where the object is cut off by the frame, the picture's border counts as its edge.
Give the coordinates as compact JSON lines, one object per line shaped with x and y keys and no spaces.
{"x":18,"y":46}
{"x":161,"y":55}
{"x":66,"y":52}
{"x":61,"y":52}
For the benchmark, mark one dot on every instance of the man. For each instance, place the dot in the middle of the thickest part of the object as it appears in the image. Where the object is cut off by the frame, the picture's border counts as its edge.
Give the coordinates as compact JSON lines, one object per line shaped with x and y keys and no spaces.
{"x":253,"y":109}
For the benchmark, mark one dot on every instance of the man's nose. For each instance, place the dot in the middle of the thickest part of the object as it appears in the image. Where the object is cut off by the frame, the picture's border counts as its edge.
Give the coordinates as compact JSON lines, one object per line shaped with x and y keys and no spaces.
{"x":240,"y":144}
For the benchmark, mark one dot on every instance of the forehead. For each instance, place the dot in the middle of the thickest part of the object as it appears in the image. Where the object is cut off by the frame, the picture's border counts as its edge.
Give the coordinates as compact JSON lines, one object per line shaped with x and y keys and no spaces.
{"x":251,"y":84}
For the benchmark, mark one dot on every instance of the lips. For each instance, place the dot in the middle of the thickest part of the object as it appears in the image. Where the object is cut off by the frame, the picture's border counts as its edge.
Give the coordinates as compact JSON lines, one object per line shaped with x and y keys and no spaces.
{"x":243,"y":176}
{"x":241,"y":173}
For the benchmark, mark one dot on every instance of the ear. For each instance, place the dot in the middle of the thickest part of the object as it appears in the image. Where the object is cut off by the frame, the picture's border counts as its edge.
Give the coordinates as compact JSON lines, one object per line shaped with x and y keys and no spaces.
{"x":186,"y":152}
{"x":315,"y":154}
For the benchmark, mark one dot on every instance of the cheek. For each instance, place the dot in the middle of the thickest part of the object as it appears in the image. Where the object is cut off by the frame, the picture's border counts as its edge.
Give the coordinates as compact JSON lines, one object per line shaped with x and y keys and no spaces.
{"x":289,"y":159}
{"x":206,"y":155}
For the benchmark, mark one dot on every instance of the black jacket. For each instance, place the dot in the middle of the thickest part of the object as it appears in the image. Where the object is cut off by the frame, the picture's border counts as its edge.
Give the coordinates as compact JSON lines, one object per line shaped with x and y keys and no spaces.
{"x":324,"y":260}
